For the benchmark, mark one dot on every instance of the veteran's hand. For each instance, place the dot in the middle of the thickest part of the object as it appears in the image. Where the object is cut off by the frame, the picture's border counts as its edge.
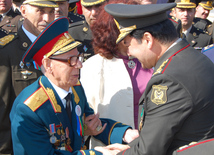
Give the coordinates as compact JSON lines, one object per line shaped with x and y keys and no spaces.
{"x":130,"y":135}
{"x":112,"y":149}
{"x":93,"y":125}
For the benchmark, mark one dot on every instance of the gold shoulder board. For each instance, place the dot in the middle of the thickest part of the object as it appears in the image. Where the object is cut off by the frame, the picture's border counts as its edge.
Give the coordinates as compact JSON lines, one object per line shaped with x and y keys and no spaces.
{"x":36,"y":99}
{"x":6,"y":39}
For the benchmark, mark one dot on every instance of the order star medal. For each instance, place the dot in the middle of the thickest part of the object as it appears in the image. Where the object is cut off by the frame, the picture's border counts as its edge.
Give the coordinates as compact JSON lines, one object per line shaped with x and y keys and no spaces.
{"x":53,"y":138}
{"x":131,"y":64}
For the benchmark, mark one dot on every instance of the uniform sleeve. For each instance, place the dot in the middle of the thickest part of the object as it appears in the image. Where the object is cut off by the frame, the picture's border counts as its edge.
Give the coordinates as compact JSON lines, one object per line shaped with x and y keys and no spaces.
{"x":164,"y":116}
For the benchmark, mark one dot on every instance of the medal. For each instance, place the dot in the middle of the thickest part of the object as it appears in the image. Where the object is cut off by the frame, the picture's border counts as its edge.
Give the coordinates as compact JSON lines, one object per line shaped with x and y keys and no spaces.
{"x":21,"y":64}
{"x":53,"y":139}
{"x":78,"y":110}
{"x":28,"y":64}
{"x":131,"y":64}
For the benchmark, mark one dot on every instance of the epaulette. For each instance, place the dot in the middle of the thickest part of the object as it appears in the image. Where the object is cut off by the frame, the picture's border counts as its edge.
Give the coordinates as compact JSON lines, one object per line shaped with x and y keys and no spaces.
{"x":174,"y":19}
{"x":207,"y":48}
{"x":7,"y":39}
{"x":36,"y":100}
{"x":76,"y":24}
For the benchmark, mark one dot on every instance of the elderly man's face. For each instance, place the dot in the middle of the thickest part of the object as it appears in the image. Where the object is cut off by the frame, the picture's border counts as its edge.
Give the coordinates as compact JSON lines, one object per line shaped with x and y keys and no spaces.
{"x":36,"y":18}
{"x":64,"y":75}
{"x":201,"y":12}
{"x":5,"y":5}
{"x":62,"y":10}
{"x":90,"y":13}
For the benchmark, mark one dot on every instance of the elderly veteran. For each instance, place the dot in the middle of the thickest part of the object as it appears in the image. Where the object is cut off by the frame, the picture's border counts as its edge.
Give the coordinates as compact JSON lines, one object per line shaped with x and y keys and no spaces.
{"x":52,"y":115}
{"x":178,"y":101}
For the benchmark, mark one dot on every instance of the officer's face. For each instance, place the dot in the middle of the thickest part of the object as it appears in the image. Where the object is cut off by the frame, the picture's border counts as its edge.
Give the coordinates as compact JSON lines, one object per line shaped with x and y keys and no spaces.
{"x":5,"y":5}
{"x":62,"y":10}
{"x":65,"y":76}
{"x":90,"y":13}
{"x":185,"y":15}
{"x":201,"y":12}
{"x":36,"y":18}
{"x":141,"y":50}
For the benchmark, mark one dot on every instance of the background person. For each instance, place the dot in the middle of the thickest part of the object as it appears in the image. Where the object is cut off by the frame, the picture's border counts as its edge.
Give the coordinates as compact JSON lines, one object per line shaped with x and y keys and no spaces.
{"x":14,"y":74}
{"x":117,"y":80}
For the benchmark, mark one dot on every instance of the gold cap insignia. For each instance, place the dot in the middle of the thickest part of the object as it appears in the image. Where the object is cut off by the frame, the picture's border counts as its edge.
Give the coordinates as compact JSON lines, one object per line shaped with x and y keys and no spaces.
{"x":159,"y":95}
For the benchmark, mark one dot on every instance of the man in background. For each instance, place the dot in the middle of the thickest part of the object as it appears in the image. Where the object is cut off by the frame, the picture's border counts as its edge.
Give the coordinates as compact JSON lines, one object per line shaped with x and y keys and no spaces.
{"x":14,"y":74}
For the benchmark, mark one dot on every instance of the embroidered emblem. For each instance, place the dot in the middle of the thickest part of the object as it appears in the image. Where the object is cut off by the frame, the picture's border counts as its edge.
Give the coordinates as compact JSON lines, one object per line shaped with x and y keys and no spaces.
{"x":159,"y":95}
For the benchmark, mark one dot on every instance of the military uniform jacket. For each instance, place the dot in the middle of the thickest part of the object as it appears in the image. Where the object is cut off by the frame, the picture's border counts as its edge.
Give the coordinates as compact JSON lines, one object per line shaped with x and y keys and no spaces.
{"x":81,"y":31}
{"x":198,"y":38}
{"x":10,"y":22}
{"x":13,"y":80}
{"x":38,"y":114}
{"x":178,"y":103}
{"x":200,"y":23}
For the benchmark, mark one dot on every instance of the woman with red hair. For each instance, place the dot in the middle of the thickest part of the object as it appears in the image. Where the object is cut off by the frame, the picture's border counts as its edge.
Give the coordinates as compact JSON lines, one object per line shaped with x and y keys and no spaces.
{"x":112,"y":81}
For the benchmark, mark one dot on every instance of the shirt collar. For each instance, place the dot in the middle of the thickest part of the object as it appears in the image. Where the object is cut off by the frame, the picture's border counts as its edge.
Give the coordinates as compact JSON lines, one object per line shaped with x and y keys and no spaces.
{"x":31,"y":36}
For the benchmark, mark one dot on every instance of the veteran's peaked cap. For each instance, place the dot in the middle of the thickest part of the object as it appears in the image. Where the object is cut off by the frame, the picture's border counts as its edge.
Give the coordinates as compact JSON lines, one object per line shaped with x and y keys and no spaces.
{"x":53,"y":40}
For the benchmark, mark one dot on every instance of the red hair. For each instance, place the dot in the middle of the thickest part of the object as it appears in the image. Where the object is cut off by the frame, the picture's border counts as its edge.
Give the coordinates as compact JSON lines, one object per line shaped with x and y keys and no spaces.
{"x":105,"y":31}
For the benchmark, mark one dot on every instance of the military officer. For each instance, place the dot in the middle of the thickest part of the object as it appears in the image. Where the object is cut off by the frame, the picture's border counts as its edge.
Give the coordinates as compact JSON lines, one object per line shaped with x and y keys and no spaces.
{"x":81,"y":30}
{"x":14,"y":74}
{"x":43,"y":116}
{"x":185,"y":11}
{"x":62,"y":10}
{"x":9,"y":16}
{"x":178,"y":102}
{"x":202,"y":12}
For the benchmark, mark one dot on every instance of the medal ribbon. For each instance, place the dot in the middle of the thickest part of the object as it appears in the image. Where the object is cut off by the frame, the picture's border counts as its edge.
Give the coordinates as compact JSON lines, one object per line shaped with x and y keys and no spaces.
{"x":80,"y":130}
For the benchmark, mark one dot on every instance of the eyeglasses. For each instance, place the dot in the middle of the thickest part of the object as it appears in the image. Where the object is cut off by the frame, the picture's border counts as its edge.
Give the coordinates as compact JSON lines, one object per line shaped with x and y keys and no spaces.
{"x":71,"y":60}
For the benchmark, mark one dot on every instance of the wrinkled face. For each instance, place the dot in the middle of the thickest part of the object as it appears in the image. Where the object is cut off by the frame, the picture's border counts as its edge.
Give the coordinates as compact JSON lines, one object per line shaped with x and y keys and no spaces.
{"x":65,"y":75}
{"x":36,"y":18}
{"x":62,"y":10}
{"x":90,"y":13}
{"x":185,"y":15}
{"x":140,"y":50}
{"x":5,"y":5}
{"x":201,"y":12}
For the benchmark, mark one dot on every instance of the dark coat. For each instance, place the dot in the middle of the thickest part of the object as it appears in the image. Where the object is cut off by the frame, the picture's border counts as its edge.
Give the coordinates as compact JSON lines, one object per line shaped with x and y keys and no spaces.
{"x":178,"y":103}
{"x":12,"y":21}
{"x":13,"y":80}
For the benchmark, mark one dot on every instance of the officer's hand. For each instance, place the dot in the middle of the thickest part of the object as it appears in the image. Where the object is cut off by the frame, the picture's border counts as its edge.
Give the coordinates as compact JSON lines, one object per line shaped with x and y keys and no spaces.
{"x":112,"y":149}
{"x":130,"y":135}
{"x":93,"y":125}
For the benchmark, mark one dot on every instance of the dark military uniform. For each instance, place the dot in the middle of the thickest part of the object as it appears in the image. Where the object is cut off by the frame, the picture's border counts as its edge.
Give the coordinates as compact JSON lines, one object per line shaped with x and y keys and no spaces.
{"x":2,"y":32}
{"x":178,"y":102}
{"x":203,"y":147}
{"x":198,"y":38}
{"x":200,"y":23}
{"x":14,"y":77}
{"x":11,"y":21}
{"x":75,"y":17}
{"x":177,"y":23}
{"x":81,"y":31}
{"x":176,"y":105}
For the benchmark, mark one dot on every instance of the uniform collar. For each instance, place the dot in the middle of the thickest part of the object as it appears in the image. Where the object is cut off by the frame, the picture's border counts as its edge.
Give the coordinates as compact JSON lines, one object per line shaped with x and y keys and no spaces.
{"x":31,"y":36}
